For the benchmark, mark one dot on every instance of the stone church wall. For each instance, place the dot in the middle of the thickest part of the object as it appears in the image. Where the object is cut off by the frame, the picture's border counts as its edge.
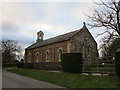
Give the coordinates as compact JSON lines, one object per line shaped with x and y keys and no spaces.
{"x":84,"y":42}
{"x":52,"y":49}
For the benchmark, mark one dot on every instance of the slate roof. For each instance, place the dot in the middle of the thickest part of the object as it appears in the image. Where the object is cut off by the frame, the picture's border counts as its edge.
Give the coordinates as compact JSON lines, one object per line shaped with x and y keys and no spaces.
{"x":53,"y":40}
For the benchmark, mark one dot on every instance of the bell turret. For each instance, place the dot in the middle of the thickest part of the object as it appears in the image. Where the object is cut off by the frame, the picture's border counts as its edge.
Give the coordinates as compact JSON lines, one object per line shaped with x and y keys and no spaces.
{"x":40,"y":35}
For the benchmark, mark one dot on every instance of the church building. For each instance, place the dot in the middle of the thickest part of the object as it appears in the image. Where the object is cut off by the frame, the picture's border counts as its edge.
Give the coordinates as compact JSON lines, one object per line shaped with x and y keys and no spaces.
{"x":50,"y":50}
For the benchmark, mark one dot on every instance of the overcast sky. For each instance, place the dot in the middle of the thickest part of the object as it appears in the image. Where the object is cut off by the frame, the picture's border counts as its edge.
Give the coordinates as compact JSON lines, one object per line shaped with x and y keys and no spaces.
{"x":21,"y":20}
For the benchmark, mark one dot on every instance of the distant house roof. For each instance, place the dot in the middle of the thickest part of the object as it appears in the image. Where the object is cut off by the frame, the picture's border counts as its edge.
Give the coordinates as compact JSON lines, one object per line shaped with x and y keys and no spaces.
{"x":56,"y":39}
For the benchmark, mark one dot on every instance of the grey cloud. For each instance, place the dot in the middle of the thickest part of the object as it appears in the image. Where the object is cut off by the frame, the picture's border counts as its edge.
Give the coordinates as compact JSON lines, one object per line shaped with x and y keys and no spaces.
{"x":8,"y":27}
{"x":10,"y":31}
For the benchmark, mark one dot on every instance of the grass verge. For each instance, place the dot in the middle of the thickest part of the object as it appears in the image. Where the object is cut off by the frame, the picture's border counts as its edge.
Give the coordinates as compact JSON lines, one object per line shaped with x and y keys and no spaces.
{"x":70,"y":80}
{"x":105,"y":68}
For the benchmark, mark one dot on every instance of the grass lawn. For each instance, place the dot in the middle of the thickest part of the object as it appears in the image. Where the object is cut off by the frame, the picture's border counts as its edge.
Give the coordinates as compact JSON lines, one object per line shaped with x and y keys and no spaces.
{"x":105,"y":68}
{"x":70,"y":80}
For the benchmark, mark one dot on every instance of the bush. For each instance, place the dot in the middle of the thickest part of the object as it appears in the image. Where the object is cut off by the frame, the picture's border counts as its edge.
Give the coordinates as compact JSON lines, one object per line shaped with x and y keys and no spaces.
{"x":20,"y":65}
{"x":71,"y":62}
{"x":117,"y":63}
{"x":9,"y":65}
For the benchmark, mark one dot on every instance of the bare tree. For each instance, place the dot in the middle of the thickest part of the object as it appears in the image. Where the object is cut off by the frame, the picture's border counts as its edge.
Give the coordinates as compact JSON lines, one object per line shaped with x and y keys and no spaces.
{"x":105,"y":46}
{"x":108,"y":16}
{"x":9,"y":50}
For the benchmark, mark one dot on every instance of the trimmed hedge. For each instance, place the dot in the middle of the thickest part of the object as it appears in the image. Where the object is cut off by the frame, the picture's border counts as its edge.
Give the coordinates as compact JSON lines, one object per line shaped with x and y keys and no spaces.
{"x":117,"y":63}
{"x":9,"y":65}
{"x":40,"y":66}
{"x":71,"y":62}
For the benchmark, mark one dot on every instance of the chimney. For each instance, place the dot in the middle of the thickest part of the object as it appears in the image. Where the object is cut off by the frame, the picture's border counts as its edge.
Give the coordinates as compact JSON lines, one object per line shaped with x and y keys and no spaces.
{"x":40,"y":35}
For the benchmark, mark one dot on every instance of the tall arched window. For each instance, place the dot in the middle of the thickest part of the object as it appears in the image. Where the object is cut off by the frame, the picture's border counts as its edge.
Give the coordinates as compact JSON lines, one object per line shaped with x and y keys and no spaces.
{"x":47,"y":56}
{"x":89,"y":51}
{"x":60,"y":53}
{"x":37,"y":56}
{"x":29,"y":58}
{"x":83,"y":51}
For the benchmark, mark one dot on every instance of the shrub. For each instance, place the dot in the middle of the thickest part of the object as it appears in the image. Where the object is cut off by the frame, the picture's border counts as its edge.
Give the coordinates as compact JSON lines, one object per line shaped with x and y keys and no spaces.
{"x":117,"y":63}
{"x":71,"y":62}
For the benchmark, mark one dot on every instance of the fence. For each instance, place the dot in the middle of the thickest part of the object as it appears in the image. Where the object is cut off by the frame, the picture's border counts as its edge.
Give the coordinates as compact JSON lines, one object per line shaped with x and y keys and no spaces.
{"x":9,"y":65}
{"x":106,"y":61}
{"x":41,"y":66}
{"x":103,"y":66}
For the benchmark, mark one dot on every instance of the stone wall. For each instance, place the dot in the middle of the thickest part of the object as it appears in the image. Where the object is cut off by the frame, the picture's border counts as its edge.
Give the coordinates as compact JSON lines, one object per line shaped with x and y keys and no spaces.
{"x":83,"y":42}
{"x":53,"y":52}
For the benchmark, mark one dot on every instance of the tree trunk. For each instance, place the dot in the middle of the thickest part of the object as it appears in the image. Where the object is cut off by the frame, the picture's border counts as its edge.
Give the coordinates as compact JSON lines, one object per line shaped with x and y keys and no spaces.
{"x":118,"y":22}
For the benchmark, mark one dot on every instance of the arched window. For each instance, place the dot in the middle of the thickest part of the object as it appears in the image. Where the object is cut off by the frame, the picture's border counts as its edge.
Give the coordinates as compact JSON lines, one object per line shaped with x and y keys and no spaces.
{"x":29,"y":58}
{"x":83,"y":51}
{"x":89,"y":51}
{"x":47,"y":56}
{"x":60,"y":53}
{"x":37,"y":56}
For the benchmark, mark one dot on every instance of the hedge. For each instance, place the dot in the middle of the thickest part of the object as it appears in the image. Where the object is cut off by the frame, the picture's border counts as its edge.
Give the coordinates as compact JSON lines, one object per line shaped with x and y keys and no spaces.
{"x":117,"y":63}
{"x":71,"y":62}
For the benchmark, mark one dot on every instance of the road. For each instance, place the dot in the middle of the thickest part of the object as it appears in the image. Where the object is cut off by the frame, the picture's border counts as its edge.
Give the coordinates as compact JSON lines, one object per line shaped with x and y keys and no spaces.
{"x":10,"y":80}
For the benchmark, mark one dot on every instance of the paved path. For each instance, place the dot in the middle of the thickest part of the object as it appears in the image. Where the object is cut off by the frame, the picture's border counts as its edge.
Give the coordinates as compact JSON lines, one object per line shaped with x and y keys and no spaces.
{"x":11,"y":80}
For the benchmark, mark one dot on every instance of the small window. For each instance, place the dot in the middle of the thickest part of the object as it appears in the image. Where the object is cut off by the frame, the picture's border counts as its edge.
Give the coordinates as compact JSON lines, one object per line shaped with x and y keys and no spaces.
{"x":29,"y":57}
{"x":89,"y":51}
{"x":60,"y":53}
{"x":37,"y":56}
{"x":83,"y":51}
{"x":47,"y":56}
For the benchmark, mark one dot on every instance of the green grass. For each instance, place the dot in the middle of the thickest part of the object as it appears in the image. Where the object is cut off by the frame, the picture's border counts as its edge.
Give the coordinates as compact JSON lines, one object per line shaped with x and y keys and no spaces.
{"x":105,"y":68}
{"x":70,"y":80}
